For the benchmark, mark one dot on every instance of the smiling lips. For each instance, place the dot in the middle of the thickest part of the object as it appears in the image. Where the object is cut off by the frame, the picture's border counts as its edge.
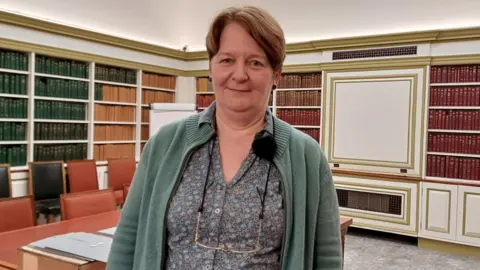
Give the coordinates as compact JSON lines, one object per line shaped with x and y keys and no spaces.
{"x":239,"y":90}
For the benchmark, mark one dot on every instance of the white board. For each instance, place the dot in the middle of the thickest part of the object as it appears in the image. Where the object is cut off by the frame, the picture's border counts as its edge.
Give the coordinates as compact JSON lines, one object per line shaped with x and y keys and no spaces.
{"x":162,"y":114}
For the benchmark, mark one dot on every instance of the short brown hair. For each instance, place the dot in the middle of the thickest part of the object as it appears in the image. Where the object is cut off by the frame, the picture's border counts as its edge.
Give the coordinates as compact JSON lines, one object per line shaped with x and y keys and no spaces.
{"x":263,"y":28}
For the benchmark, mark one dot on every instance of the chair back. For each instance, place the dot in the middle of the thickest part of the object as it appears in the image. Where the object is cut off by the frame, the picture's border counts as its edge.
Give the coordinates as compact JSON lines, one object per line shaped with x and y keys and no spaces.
{"x":17,"y":213}
{"x":5,"y":181}
{"x":120,"y":172}
{"x":46,"y":179}
{"x":86,"y":203}
{"x":82,"y":175}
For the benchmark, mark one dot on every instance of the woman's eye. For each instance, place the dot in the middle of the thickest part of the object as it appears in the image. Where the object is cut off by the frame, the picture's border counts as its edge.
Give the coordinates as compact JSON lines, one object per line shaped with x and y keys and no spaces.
{"x":226,"y":60}
{"x":257,"y":63}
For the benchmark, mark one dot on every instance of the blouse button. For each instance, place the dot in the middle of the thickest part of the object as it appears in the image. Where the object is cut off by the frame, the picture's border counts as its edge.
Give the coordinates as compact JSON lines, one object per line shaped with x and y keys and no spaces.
{"x":217,"y":211}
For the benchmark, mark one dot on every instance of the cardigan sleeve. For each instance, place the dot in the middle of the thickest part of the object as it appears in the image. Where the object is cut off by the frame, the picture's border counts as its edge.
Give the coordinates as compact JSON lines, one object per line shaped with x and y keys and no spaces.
{"x":122,"y":251}
{"x":328,"y":242}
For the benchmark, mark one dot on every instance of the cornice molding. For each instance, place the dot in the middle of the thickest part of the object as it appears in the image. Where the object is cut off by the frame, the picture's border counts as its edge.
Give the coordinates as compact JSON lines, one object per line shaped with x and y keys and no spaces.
{"x":81,"y":56}
{"x":430,"y":36}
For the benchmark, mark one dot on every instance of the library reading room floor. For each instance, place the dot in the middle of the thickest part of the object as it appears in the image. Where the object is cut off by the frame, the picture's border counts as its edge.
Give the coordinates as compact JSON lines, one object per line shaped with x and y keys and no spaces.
{"x":368,"y":250}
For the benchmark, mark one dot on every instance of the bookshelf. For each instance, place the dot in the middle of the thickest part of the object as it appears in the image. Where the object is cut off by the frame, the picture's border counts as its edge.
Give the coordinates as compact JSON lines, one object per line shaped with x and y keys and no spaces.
{"x":114,"y":109}
{"x":13,"y":107}
{"x":453,"y":137}
{"x":297,"y":100}
{"x":156,"y":88}
{"x":55,"y":108}
{"x":205,"y":95}
{"x":60,"y":98}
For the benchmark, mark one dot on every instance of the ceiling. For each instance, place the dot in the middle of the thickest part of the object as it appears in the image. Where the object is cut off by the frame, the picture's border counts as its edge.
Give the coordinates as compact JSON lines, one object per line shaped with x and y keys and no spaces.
{"x":175,"y":23}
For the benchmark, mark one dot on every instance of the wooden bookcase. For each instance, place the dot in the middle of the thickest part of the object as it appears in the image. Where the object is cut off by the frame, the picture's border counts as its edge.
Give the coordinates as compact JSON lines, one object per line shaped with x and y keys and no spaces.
{"x":63,"y":109}
{"x":14,"y":100}
{"x":453,"y":137}
{"x":297,"y":100}
{"x":156,"y":88}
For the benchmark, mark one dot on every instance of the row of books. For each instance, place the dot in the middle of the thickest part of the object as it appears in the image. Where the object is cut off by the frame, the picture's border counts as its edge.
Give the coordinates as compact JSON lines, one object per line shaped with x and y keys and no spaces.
{"x":145,"y":132}
{"x":50,"y":87}
{"x":299,"y":98}
{"x":454,"y":143}
{"x":312,"y":132}
{"x":61,"y":67}
{"x":45,"y":109}
{"x":159,"y":81}
{"x":60,"y":131}
{"x":46,"y":152}
{"x":454,"y":119}
{"x":145,"y":115}
{"x":454,"y":74}
{"x":114,"y":132}
{"x":13,"y":60}
{"x":114,"y":74}
{"x":204,"y":85}
{"x":11,"y":131}
{"x":13,"y":108}
{"x":313,"y":80}
{"x":15,"y":155}
{"x":13,"y":84}
{"x":114,"y":113}
{"x":108,"y":151}
{"x":455,"y":96}
{"x":205,"y":100}
{"x":149,"y":96}
{"x":453,"y":167}
{"x":115,"y":93}
{"x":304,"y":117}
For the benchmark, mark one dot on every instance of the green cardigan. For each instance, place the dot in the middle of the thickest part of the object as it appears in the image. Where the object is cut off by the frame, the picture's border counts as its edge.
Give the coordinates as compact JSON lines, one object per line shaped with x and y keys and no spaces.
{"x":312,"y":225}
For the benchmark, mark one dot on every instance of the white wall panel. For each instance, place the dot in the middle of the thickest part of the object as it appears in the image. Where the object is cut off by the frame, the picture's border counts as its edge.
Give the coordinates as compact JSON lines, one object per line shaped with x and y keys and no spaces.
{"x":186,"y":90}
{"x":373,"y":120}
{"x":456,"y":48}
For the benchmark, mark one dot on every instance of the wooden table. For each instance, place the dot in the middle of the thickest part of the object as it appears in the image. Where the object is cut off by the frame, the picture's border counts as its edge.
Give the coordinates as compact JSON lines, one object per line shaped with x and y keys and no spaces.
{"x":345,"y":222}
{"x":11,"y":241}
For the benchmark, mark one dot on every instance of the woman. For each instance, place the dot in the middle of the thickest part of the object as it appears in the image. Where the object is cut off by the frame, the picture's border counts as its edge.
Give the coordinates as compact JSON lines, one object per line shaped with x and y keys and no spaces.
{"x":232,"y":187}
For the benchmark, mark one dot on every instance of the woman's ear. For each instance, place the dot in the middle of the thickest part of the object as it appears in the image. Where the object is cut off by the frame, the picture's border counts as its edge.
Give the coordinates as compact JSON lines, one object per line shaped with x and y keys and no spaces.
{"x":276,"y":77}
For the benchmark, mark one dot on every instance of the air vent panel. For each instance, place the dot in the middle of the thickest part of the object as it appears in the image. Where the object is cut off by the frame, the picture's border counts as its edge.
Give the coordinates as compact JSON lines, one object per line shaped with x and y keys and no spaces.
{"x":373,"y":53}
{"x":369,"y":201}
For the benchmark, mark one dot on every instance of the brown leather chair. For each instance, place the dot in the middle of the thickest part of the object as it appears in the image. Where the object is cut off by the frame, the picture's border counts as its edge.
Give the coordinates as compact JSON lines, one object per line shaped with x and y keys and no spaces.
{"x":120,"y":172}
{"x":17,"y":213}
{"x":82,"y":175}
{"x":5,"y":181}
{"x":86,"y":203}
{"x":126,"y":188}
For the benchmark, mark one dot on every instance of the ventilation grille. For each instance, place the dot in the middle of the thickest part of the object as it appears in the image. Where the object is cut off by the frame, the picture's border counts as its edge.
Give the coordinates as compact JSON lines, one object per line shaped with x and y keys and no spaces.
{"x":367,"y":201}
{"x":384,"y":52}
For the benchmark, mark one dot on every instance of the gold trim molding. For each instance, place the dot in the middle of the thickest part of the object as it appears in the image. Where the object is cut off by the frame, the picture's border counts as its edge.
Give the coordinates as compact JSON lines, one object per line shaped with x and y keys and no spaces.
{"x":394,"y":39}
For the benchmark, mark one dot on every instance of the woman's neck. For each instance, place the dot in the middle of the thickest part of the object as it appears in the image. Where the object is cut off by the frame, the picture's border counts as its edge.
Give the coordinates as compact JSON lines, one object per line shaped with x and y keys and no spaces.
{"x":238,"y":125}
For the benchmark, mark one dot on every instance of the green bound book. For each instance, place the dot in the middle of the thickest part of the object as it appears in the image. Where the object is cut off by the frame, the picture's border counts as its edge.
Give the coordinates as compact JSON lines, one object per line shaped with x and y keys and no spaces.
{"x":24,"y":62}
{"x":6,"y":83}
{"x":2,"y":89}
{"x":17,"y":84}
{"x":23,"y":85}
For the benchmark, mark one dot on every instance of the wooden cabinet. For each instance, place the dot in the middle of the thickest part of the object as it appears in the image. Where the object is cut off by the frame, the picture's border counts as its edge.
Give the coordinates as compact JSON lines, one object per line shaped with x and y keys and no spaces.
{"x":451,"y":212}
{"x":468,"y":222}
{"x":439,"y":211}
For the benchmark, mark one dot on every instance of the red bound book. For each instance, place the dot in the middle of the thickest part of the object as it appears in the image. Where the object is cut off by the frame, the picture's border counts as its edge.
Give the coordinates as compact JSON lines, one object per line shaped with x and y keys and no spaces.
{"x":460,"y":168}
{"x":462,"y":74}
{"x":470,"y":73}
{"x":470,"y":169}
{"x":436,"y":166}
{"x":444,"y":77}
{"x":455,"y":167}
{"x":448,"y":120}
{"x":448,"y":101}
{"x":470,"y":148}
{"x":431,"y":142}
{"x":443,"y":164}
{"x":435,"y":143}
{"x":476,"y":174}
{"x":433,"y":74}
{"x":429,"y":165}
{"x":447,"y":167}
{"x":451,"y":143}
{"x":470,"y":120}
{"x":478,"y":73}
{"x":432,"y":96}
{"x":465,"y":96}
{"x":431,"y":124}
{"x":477,"y":138}
{"x":443,"y":141}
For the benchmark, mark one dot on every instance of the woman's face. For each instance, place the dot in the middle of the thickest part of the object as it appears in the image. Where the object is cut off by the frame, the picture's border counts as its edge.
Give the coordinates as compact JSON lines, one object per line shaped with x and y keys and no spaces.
{"x":241,"y":75}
